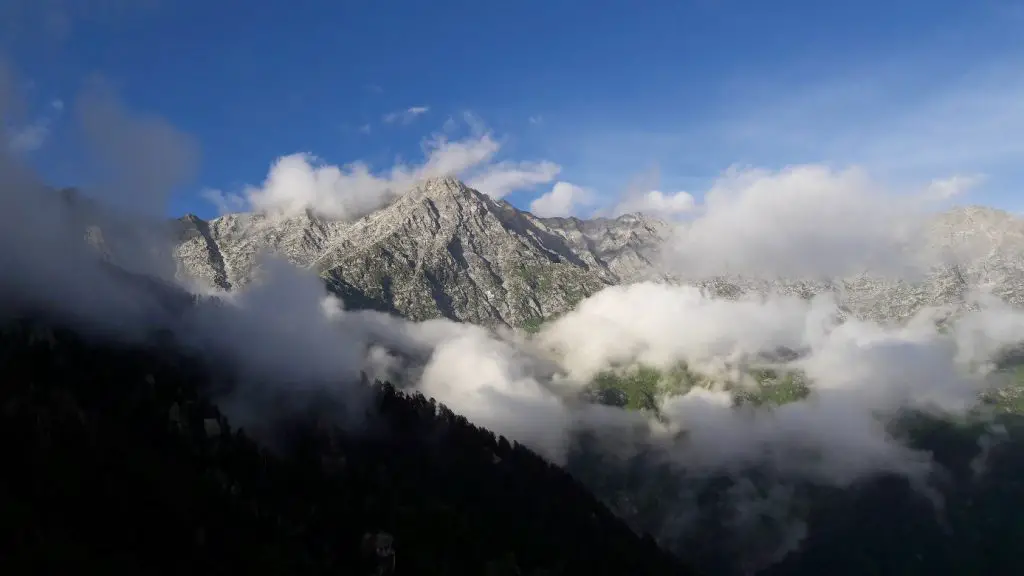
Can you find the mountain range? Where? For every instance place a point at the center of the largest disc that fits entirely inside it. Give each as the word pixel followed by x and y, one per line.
pixel 446 250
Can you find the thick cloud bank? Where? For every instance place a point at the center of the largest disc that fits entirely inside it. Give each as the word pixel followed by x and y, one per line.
pixel 802 222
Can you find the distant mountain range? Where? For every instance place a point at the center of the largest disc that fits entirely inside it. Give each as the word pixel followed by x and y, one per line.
pixel 446 250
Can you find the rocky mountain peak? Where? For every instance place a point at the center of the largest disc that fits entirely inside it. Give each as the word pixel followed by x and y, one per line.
pixel 442 249
pixel 446 188
pixel 444 197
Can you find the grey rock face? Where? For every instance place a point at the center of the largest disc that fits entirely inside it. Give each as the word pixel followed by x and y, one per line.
pixel 445 250
pixel 626 246
pixel 224 250
pixel 442 250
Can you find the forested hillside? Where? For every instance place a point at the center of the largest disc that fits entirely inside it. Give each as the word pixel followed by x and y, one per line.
pixel 960 517
pixel 116 461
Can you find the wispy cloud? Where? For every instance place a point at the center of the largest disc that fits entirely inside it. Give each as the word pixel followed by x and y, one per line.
pixel 406 116
pixel 131 152
pixel 51 23
pixel 957 185
pixel 898 121
pixel 225 203
pixel 907 120
pixel 503 178
pixel 30 137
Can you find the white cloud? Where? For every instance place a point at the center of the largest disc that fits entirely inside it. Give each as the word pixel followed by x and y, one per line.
pixel 446 157
pixel 298 182
pixel 657 203
pixel 500 179
pixel 660 325
pixel 806 221
pixel 860 373
pixel 490 381
pixel 563 200
pixel 406 116
pixel 954 186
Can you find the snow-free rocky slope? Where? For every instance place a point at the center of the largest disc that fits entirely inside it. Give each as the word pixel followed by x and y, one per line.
pixel 446 250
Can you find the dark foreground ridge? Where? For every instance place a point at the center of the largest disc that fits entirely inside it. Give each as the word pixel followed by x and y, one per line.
pixel 116 462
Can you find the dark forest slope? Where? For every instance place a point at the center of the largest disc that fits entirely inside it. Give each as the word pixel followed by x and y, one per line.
pixel 965 516
pixel 115 463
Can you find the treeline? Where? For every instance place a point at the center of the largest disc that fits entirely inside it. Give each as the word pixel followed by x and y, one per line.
pixel 116 461
pixel 968 519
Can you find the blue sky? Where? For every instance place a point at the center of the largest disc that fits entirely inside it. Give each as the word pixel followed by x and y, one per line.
pixel 667 94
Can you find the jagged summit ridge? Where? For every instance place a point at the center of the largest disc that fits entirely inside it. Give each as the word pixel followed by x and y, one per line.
pixel 447 250
pixel 446 187
pixel 441 250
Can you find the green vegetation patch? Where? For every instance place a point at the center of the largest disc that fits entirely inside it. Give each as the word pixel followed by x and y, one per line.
pixel 774 388
pixel 640 387
pixel 1009 398
pixel 532 325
